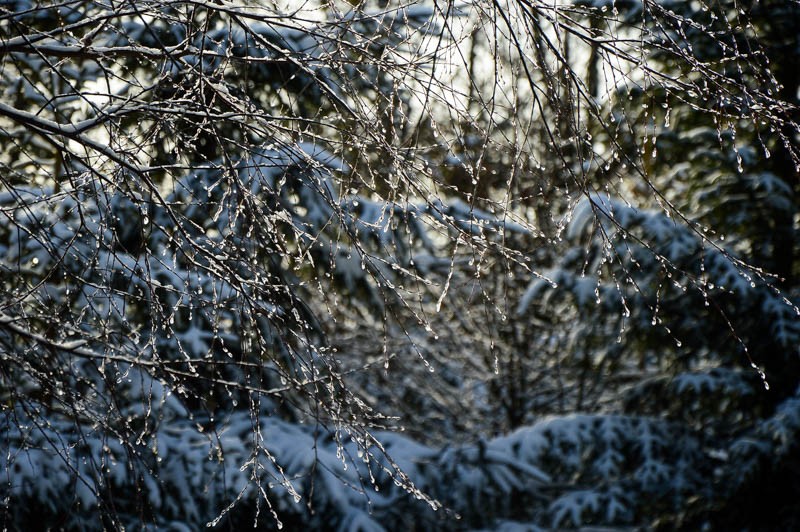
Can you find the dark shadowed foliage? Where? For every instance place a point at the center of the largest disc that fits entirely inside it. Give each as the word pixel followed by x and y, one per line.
pixel 371 266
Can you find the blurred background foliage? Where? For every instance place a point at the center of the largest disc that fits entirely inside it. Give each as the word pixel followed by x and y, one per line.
pixel 388 267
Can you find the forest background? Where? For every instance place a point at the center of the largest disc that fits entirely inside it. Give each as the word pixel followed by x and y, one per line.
pixel 368 266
